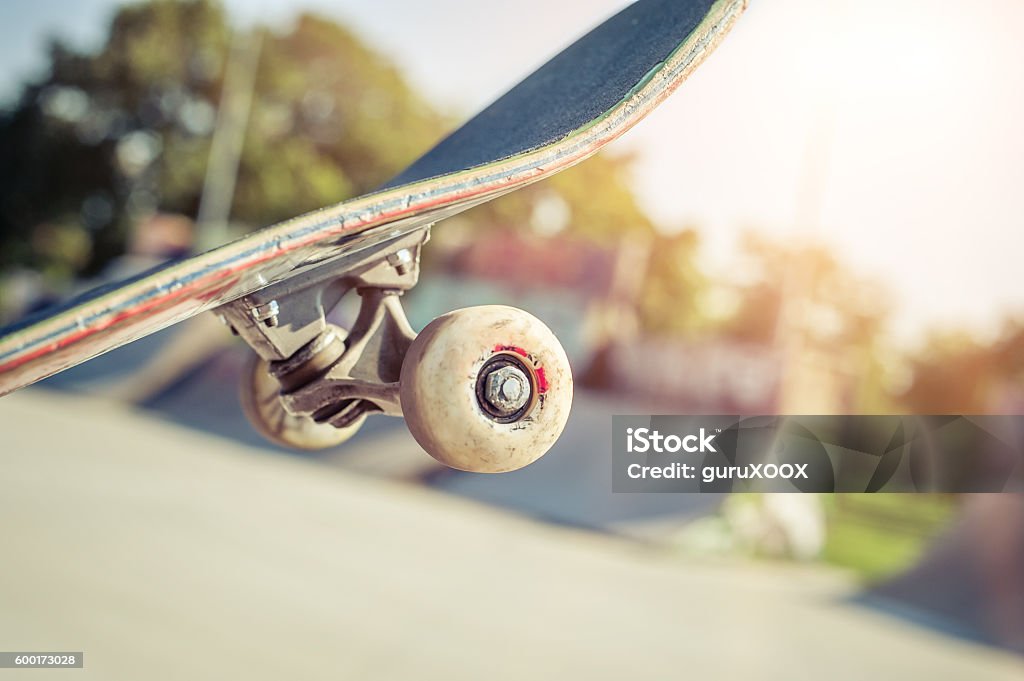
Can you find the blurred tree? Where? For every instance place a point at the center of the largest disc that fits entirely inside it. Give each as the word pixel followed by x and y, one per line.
pixel 111 137
pixel 804 301
pixel 1009 349
pixel 956 373
pixel 828 301
pixel 952 374
pixel 668 303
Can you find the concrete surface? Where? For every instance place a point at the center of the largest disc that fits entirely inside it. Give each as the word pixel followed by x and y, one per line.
pixel 164 553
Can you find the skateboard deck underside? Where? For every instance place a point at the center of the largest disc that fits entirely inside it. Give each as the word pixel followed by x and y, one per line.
pixel 582 99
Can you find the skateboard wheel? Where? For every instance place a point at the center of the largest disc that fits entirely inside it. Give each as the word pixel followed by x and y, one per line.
pixel 486 389
pixel 263 408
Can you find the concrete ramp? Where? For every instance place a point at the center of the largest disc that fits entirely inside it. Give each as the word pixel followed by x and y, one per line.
pixel 163 553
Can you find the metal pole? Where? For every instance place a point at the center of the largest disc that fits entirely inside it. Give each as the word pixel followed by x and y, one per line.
pixel 228 140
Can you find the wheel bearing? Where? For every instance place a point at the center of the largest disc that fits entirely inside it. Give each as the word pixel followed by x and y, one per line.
pixel 505 388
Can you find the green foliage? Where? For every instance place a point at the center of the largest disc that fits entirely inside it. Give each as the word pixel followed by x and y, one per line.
pixel 668 300
pixel 110 137
pixel 333 120
pixel 878 535
pixel 603 207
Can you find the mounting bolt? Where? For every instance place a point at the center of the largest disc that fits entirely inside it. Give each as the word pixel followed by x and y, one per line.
pixel 266 313
pixel 507 389
pixel 401 260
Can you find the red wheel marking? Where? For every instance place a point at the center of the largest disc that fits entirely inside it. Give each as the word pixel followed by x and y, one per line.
pixel 512 348
pixel 542 380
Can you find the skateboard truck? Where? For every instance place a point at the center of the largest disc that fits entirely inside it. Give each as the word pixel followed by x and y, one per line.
pixel 335 378
pixel 472 394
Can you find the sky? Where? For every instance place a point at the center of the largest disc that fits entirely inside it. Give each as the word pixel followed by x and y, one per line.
pixel 887 129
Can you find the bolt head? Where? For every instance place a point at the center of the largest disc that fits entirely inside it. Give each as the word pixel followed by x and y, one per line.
pixel 266 313
pixel 507 389
pixel 401 261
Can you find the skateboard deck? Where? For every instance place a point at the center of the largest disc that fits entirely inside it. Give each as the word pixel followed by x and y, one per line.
pixel 579 101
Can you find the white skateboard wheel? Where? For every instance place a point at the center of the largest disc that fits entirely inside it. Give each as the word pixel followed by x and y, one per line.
pixel 260 402
pixel 486 389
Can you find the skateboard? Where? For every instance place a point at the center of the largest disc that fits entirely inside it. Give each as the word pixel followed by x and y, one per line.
pixel 482 389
